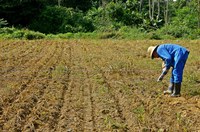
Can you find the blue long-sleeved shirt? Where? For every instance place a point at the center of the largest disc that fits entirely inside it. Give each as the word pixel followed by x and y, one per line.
pixel 168 53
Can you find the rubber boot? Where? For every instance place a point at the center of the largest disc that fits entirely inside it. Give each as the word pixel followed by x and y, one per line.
pixel 170 89
pixel 177 90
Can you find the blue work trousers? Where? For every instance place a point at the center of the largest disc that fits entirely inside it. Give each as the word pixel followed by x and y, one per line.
pixel 179 64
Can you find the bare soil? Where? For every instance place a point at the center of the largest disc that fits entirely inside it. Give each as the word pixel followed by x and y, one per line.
pixel 92 85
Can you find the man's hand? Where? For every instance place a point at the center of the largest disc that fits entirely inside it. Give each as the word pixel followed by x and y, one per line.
pixel 160 78
pixel 164 72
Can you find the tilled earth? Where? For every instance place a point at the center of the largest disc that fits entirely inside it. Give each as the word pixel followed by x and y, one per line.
pixel 88 85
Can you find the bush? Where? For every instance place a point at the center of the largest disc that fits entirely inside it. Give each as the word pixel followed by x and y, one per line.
pixel 186 17
pixel 110 35
pixel 132 33
pixel 176 31
pixel 123 13
pixel 194 34
pixel 20 34
pixel 98 18
pixel 154 35
pixel 30 35
pixel 61 20
pixel 183 25
pixel 114 15
pixel 7 30
pixel 51 36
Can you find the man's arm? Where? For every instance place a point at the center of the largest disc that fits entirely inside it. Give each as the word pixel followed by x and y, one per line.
pixel 166 57
pixel 164 72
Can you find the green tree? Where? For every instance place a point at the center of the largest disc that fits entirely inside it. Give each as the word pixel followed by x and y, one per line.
pixel 20 12
pixel 61 20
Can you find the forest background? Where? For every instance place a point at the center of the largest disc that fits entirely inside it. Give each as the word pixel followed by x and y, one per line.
pixel 121 19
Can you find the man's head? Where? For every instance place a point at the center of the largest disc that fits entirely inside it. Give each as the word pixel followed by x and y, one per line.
pixel 152 52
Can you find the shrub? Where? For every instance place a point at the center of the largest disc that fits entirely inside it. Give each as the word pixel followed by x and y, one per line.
pixel 110 35
pixel 132 33
pixel 186 17
pixel 113 16
pixel 98 18
pixel 183 25
pixel 154 35
pixel 20 34
pixel 7 30
pixel 30 35
pixel 51 36
pixel 61 20
pixel 176 31
pixel 122 12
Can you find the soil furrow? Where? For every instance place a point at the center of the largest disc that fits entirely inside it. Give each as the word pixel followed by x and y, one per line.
pixel 60 86
pixel 89 110
pixel 122 120
pixel 24 110
pixel 65 108
pixel 66 113
pixel 89 92
pixel 27 77
pixel 131 112
pixel 71 118
pixel 116 101
pixel 30 80
pixel 21 64
pixel 19 59
pixel 11 46
pixel 51 80
pixel 64 82
pixel 97 85
pixel 17 53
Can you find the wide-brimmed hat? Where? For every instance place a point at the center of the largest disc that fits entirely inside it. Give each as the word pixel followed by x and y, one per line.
pixel 150 51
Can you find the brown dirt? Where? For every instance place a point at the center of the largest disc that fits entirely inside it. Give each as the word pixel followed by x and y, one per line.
pixel 88 85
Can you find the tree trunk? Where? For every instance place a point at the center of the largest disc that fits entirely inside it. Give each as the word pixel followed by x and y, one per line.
pixel 59 1
pixel 150 7
pixel 141 2
pixel 158 10
pixel 103 3
pixel 153 5
pixel 166 12
pixel 198 14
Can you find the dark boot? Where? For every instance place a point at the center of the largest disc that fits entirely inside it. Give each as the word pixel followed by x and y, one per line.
pixel 177 90
pixel 170 89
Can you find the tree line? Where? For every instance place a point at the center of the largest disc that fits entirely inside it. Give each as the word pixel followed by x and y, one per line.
pixel 174 17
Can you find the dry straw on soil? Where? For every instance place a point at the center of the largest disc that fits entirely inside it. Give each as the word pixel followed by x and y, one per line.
pixel 93 85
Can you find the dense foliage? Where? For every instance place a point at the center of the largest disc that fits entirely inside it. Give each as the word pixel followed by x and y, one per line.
pixel 160 18
pixel 61 20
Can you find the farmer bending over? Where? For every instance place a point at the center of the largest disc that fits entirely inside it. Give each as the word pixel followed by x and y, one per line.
pixel 174 56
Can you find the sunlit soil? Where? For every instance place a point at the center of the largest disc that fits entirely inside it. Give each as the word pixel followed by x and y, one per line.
pixel 93 85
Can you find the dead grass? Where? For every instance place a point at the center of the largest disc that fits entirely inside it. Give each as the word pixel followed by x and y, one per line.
pixel 93 85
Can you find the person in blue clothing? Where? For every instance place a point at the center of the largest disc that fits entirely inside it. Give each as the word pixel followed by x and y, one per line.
pixel 174 56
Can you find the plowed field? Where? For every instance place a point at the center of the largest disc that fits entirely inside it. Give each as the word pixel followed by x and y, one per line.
pixel 93 85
